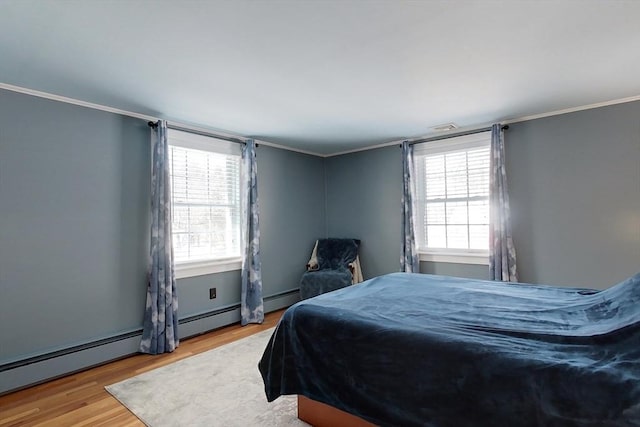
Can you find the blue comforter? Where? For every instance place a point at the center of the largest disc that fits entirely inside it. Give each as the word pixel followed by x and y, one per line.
pixel 423 350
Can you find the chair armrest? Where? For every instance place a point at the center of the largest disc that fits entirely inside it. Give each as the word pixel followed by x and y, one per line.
pixel 312 265
pixel 356 271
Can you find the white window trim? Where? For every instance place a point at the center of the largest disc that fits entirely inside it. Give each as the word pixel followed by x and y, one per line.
pixel 200 268
pixel 195 141
pixel 463 256
pixel 451 145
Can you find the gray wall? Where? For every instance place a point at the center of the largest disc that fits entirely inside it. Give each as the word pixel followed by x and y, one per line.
pixel 74 207
pixel 364 190
pixel 73 222
pixel 472 271
pixel 574 183
pixel 292 215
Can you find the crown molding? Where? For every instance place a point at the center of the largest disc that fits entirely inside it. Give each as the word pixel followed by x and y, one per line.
pixel 484 125
pixel 145 117
pixel 195 128
pixel 571 110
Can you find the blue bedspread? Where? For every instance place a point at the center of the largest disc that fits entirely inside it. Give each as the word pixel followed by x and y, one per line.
pixel 423 350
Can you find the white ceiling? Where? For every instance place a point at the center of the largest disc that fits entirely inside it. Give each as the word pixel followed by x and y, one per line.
pixel 325 76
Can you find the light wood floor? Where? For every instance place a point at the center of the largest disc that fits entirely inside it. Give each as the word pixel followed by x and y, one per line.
pixel 81 400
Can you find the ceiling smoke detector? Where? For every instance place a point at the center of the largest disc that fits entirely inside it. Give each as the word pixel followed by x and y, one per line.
pixel 444 128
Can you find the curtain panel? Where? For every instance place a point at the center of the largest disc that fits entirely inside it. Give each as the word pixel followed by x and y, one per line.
pixel 252 305
pixel 160 328
pixel 502 252
pixel 409 261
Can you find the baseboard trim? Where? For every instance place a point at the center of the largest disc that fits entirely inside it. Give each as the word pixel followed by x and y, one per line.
pixel 37 369
pixel 60 363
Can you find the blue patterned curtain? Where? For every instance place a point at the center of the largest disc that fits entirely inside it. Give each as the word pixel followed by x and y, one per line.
pixel 409 261
pixel 252 306
pixel 502 253
pixel 160 331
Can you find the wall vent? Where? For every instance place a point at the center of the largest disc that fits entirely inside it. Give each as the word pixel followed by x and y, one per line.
pixel 445 127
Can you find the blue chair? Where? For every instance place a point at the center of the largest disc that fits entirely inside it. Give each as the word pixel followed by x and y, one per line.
pixel 334 264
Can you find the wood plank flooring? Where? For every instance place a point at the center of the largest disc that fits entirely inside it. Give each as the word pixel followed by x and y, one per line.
pixel 81 400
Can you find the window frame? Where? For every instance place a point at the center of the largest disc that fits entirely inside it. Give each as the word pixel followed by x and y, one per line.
pixel 184 139
pixel 441 146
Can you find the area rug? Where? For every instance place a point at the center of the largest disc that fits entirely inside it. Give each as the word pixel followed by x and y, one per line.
pixel 220 387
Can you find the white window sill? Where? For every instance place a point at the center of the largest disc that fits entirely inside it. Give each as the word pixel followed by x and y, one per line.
pixel 457 257
pixel 200 268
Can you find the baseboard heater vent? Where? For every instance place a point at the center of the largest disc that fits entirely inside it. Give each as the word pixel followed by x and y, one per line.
pixel 69 350
pixel 202 323
pixel 44 367
pixel 208 314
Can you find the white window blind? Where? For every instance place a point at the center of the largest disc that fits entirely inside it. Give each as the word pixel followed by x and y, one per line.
pixel 205 194
pixel 452 185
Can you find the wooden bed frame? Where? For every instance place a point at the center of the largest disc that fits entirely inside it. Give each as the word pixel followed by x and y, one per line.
pixel 321 415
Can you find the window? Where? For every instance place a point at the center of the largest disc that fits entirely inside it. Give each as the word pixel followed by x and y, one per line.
pixel 205 196
pixel 452 200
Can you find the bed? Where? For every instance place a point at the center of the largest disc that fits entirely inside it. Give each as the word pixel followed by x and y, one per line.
pixel 425 350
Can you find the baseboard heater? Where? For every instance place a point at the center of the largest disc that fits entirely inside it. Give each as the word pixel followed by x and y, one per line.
pixel 47 366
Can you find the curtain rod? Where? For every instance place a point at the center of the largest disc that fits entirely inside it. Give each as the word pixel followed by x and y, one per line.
pixel 453 135
pixel 209 134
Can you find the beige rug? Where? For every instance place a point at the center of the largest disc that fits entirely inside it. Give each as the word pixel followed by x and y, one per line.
pixel 221 387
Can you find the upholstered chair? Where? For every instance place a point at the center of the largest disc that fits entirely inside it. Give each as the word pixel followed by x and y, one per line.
pixel 334 264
